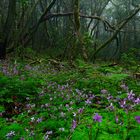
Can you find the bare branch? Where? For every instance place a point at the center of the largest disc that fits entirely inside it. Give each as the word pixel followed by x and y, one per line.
pixel 116 32
pixel 52 15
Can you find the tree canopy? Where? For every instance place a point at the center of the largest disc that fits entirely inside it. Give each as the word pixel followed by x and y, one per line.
pixel 77 28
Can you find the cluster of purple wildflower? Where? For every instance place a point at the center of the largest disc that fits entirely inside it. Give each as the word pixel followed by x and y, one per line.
pixel 137 119
pixel 97 118
pixel 9 69
pixel 74 124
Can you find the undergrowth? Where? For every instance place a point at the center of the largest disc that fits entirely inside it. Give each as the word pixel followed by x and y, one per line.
pixel 86 102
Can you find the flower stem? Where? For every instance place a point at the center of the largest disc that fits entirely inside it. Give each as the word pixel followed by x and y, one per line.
pixel 96 135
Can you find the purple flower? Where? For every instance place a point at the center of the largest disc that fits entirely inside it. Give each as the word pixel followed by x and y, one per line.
pixel 109 97
pixel 67 105
pixel 97 118
pixel 130 95
pixel 124 87
pixel 111 107
pixel 41 94
pixel 122 103
pixel 117 119
pixel 137 119
pixel 91 97
pixel 88 101
pixel 74 124
pixel 104 91
pixel 39 120
pixel 28 106
pixel 1 114
pixel 137 101
pixel 63 87
pixel 80 110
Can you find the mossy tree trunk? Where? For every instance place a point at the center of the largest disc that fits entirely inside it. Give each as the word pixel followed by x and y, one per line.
pixel 78 46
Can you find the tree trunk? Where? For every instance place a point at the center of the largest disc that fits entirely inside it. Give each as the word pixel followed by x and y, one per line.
pixel 2 50
pixel 80 46
pixel 7 28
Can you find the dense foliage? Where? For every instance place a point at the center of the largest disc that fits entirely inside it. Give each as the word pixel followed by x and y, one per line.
pixel 85 102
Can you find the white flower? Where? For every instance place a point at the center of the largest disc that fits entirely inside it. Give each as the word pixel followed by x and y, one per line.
pixel 46 137
pixel 74 114
pixel 62 114
pixel 49 132
pixel 32 119
pixel 10 134
pixel 62 129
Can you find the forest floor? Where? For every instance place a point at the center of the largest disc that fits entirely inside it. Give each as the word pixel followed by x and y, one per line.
pixel 57 101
